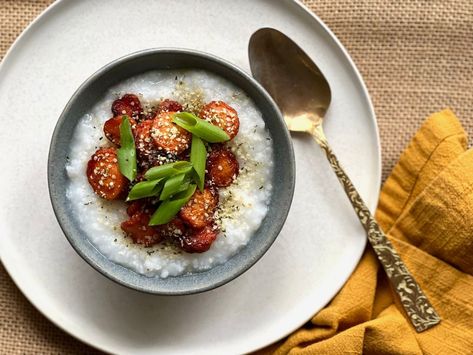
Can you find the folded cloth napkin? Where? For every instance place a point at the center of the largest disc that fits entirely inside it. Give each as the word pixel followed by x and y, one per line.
pixel 426 208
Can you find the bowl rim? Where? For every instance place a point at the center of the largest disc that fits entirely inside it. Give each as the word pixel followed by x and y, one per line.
pixel 57 207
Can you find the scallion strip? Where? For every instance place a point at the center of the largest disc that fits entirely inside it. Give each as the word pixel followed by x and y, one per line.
pixel 145 189
pixel 201 128
pixel 127 153
pixel 171 186
pixel 183 187
pixel 198 158
pixel 178 167
pixel 169 208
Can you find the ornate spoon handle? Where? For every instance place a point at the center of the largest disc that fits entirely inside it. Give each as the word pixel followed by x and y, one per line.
pixel 418 308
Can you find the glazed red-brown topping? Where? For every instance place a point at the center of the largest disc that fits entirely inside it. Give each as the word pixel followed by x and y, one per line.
pixel 104 174
pixel 158 140
pixel 144 143
pixel 222 115
pixel 168 136
pixel 128 104
pixel 135 207
pixel 111 128
pixel 174 229
pixel 222 167
pixel 169 106
pixel 137 229
pixel 199 211
pixel 199 240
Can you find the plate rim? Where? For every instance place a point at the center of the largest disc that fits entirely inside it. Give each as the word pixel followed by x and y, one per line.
pixel 42 308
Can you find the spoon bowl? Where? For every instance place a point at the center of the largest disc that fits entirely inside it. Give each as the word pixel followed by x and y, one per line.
pixel 299 88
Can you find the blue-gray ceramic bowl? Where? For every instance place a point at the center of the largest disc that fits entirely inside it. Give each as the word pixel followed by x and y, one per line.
pixel 92 91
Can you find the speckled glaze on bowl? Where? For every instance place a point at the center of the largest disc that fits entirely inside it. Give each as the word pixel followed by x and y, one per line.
pixel 283 178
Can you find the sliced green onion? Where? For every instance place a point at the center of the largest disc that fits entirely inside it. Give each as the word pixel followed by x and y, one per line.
pixel 183 187
pixel 201 128
pixel 171 186
pixel 178 167
pixel 198 158
pixel 169 208
pixel 127 152
pixel 145 189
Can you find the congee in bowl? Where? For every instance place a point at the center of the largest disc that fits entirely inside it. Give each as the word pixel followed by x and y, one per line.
pixel 218 217
pixel 171 171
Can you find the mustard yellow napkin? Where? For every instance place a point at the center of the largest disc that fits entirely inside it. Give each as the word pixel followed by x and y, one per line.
pixel 426 208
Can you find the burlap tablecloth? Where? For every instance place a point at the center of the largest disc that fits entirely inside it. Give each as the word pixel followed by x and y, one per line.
pixel 415 56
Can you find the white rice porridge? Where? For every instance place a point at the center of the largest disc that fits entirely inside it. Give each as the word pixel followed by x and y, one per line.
pixel 242 205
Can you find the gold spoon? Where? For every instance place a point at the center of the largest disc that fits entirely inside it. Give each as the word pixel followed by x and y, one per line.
pixel 303 95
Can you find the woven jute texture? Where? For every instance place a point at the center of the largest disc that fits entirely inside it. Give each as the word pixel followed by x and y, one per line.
pixel 415 56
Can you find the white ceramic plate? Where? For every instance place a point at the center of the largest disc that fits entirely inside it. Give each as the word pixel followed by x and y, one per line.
pixel 320 244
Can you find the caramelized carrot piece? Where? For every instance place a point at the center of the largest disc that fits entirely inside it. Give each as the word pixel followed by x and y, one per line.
pixel 169 106
pixel 137 229
pixel 128 104
pixel 104 174
pixel 168 136
pixel 173 229
pixel 222 167
pixel 199 240
pixel 111 128
pixel 199 211
pixel 222 115
pixel 143 141
pixel 135 207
